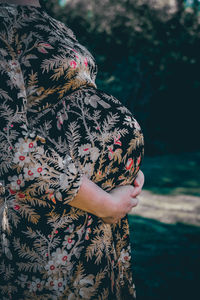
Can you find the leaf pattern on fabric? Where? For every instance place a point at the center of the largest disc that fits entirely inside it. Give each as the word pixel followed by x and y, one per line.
pixel 56 126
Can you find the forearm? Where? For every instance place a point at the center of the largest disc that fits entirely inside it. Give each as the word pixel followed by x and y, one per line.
pixel 93 199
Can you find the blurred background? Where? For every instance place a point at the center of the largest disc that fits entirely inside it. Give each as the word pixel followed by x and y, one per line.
pixel 148 56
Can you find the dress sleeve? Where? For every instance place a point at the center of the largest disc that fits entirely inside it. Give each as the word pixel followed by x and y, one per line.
pixel 56 166
pixel 35 162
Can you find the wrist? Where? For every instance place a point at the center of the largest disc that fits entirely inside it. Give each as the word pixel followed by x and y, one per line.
pixel 109 206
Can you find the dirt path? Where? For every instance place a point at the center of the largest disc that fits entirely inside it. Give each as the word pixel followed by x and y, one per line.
pixel 169 209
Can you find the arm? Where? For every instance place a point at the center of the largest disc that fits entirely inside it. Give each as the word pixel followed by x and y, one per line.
pixel 109 206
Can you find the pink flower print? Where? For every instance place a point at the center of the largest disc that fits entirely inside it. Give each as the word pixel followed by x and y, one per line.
pixel 60 257
pixel 73 64
pixel 16 182
pixel 129 164
pixel 124 257
pixel 29 145
pixel 51 267
pixel 70 228
pixel 38 170
pixel 86 62
pixel 21 158
pixel 28 174
pixel 21 195
pixel 50 283
pixel 16 207
pixel 76 55
pixel 36 285
pixel 84 150
pixel 117 140
pixel 12 192
pixel 69 242
pixel 59 285
pixel 42 46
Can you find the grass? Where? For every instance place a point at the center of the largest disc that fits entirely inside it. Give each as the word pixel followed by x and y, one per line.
pixel 165 230
pixel 173 174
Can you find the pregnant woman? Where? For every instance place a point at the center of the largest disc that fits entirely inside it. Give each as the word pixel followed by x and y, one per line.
pixel 69 156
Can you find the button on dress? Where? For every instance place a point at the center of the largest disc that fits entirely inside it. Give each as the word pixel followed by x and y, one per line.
pixel 55 126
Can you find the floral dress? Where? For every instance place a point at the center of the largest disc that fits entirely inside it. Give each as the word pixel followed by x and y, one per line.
pixel 56 126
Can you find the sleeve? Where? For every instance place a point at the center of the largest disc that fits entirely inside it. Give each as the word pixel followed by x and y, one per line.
pixel 56 168
pixel 35 163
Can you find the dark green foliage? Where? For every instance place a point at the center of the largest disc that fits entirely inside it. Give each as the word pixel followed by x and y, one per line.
pixel 148 57
pixel 173 174
pixel 166 259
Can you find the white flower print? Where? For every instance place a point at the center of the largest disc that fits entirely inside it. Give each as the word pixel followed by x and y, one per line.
pixel 69 242
pixel 41 221
pixel 36 285
pixel 21 158
pixel 28 174
pixel 51 267
pixel 60 257
pixel 39 170
pixel 84 150
pixel 16 182
pixel 28 146
pixel 50 282
pixel 124 257
pixel 59 285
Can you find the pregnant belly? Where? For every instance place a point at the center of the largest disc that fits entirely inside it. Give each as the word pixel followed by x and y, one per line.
pixel 104 138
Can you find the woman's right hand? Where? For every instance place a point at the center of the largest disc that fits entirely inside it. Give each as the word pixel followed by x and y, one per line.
pixel 110 207
pixel 123 199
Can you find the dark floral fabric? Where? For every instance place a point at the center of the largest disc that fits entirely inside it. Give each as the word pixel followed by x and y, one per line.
pixel 56 126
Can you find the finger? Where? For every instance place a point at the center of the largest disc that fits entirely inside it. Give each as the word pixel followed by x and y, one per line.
pixel 136 192
pixel 134 202
pixel 139 181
